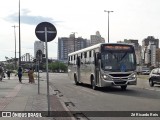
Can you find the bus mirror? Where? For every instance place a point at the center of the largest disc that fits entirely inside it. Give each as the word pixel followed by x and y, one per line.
pixel 99 56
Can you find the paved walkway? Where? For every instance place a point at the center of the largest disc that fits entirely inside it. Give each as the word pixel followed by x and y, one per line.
pixel 23 98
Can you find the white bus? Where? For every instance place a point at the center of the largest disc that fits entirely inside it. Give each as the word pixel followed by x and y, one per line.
pixel 104 64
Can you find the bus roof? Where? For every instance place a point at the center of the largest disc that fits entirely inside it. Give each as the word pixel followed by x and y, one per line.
pixel 85 49
pixel 96 46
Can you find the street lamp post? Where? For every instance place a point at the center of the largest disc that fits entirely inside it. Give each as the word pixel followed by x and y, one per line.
pixel 15 43
pixel 108 22
pixel 19 37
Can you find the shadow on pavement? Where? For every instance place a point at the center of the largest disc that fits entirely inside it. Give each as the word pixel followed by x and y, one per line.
pixel 130 91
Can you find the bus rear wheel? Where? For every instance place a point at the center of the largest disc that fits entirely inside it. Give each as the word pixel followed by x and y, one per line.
pixel 124 87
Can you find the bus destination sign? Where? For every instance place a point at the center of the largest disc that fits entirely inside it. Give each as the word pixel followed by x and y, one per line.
pixel 116 47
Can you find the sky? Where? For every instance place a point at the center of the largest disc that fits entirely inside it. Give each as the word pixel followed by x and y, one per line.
pixel 131 19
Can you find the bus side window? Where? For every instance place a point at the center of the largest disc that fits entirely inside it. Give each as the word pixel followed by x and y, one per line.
pixel 71 60
pixel 82 58
pixel 81 55
pixel 85 57
pixel 89 57
pixel 78 61
pixel 74 59
pixel 92 57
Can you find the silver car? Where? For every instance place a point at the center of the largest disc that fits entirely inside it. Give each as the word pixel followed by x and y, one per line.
pixel 154 77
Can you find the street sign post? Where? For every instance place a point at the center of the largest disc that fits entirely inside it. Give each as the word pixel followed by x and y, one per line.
pixel 39 58
pixel 46 32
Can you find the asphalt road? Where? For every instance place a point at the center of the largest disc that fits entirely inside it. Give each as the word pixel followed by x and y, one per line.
pixel 141 97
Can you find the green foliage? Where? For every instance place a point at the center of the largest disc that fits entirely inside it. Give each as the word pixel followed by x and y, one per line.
pixel 57 67
pixel 9 66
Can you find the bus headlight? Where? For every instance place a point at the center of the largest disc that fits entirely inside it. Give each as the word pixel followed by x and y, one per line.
pixel 105 77
pixel 132 77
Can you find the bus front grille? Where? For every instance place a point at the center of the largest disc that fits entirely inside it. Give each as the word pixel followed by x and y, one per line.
pixel 120 82
pixel 119 75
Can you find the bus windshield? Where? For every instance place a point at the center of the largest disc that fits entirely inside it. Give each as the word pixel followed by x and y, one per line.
pixel 118 61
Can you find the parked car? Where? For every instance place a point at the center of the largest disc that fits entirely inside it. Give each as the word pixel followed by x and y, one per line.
pixel 145 72
pixel 154 77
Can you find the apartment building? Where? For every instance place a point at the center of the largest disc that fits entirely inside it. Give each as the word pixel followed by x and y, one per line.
pixel 95 39
pixel 70 44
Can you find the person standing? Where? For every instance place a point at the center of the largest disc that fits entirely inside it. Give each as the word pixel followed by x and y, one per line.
pixel 1 73
pixel 8 74
pixel 20 74
pixel 31 76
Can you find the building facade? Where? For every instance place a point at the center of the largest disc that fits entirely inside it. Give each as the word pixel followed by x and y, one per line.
pixel 149 39
pixel 63 48
pixel 95 39
pixel 70 44
pixel 149 48
pixel 150 55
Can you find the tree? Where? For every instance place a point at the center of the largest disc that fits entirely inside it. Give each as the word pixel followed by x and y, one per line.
pixel 57 66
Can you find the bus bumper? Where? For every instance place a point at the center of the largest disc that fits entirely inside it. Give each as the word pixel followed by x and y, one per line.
pixel 118 82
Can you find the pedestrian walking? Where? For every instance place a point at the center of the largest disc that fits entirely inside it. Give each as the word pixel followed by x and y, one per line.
pixel 1 73
pixel 20 74
pixel 8 74
pixel 31 76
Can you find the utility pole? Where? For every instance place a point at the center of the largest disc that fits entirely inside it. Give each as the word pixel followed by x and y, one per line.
pixel 19 36
pixel 15 43
pixel 108 22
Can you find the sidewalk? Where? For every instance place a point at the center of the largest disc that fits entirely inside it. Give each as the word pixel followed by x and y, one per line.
pixel 21 97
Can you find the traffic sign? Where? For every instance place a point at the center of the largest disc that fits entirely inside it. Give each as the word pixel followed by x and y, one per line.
pixel 46 32
pixel 39 55
pixel 45 28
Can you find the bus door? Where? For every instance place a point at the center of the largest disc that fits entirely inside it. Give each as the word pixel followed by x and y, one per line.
pixel 97 65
